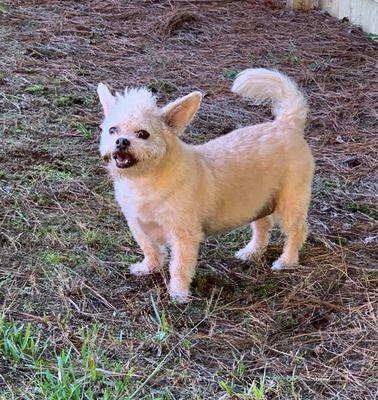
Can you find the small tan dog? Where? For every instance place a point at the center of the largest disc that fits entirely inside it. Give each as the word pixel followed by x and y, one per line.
pixel 175 194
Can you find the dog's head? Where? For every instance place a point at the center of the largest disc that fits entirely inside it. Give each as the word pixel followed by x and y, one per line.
pixel 136 133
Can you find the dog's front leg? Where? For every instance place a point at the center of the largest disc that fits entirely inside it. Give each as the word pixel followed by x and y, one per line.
pixel 184 254
pixel 153 254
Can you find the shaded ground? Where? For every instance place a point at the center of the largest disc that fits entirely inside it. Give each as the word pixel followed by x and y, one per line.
pixel 305 333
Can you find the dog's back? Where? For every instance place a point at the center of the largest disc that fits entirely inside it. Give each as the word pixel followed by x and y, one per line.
pixel 251 166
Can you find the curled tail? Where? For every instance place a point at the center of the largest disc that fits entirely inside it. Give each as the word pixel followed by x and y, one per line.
pixel 265 85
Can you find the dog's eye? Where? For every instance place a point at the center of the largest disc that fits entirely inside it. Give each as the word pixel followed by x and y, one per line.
pixel 142 134
pixel 113 130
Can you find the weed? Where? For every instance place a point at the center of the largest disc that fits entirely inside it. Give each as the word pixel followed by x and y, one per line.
pixel 3 9
pixel 187 344
pixel 127 258
pixel 293 58
pixel 91 237
pixel 246 391
pixel 159 395
pixel 17 342
pixel 328 184
pixel 226 387
pixel 69 377
pixel 41 199
pixel 272 58
pixel 264 290
pixel 372 36
pixel 68 100
pixel 50 232
pixel 164 329
pixel 286 322
pixel 36 89
pixel 258 389
pixel 49 173
pixel 253 392
pixel 239 366
pixel 52 257
pixel 364 208
pixel 70 380
pixel 85 130
pixel 204 282
pixel 321 64
pixel 231 73
pixel 161 86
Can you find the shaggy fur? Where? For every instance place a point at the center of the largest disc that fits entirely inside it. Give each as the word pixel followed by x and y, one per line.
pixel 176 194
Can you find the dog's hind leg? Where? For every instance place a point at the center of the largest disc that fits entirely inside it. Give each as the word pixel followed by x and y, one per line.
pixel 291 215
pixel 260 239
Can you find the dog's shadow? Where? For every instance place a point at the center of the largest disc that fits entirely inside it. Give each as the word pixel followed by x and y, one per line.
pixel 235 280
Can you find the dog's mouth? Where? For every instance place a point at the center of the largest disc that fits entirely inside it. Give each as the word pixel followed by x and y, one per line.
pixel 124 159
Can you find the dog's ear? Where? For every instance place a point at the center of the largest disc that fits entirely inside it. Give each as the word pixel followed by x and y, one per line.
pixel 178 114
pixel 106 98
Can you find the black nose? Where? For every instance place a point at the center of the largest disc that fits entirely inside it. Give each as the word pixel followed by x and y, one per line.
pixel 122 143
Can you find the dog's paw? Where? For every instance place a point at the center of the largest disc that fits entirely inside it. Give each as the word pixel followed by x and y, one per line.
pixel 141 268
pixel 248 254
pixel 179 296
pixel 278 265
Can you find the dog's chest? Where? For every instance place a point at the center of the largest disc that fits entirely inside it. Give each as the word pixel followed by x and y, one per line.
pixel 143 209
pixel 149 218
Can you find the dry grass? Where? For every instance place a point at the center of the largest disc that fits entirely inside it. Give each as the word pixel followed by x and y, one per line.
pixel 305 333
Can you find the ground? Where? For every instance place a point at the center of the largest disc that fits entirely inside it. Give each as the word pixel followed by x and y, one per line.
pixel 74 323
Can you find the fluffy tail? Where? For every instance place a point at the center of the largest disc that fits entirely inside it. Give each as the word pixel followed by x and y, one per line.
pixel 266 85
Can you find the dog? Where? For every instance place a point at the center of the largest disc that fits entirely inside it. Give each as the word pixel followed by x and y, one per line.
pixel 175 194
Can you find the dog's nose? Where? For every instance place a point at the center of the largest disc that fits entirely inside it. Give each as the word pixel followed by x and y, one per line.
pixel 122 143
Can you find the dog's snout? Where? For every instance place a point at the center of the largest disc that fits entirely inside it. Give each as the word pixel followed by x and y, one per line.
pixel 122 143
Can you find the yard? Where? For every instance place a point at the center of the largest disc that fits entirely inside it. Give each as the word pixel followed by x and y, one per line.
pixel 74 324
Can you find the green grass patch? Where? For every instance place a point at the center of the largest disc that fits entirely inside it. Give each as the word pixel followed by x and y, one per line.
pixel 364 208
pixel 205 282
pixel 286 322
pixel 49 173
pixel 231 73
pixel 330 184
pixel 70 375
pixel 17 343
pixel 36 89
pixel 68 100
pixel 164 328
pixel 254 391
pixel 264 290
pixel 372 36
pixel 320 64
pixel 128 258
pixel 41 199
pixel 53 257
pixel 3 8
pixel 161 86
pixel 273 58
pixel 84 129
pixel 91 237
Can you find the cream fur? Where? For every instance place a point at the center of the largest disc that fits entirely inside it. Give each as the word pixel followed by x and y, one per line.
pixel 177 194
